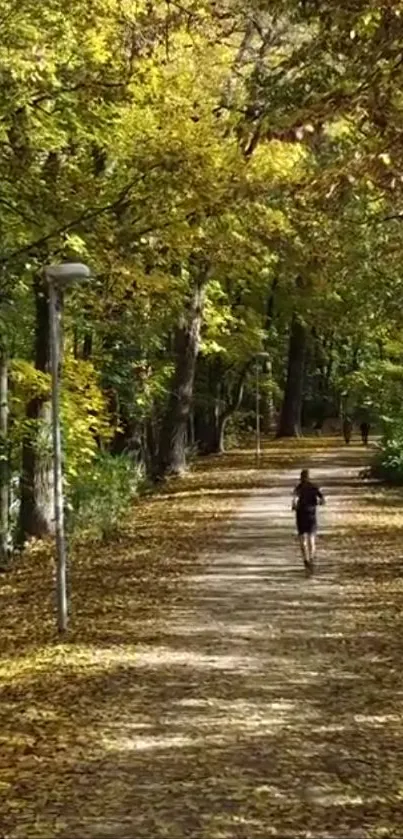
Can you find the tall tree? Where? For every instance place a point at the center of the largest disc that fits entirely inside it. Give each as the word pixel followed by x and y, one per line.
pixel 173 437
pixel 290 419
pixel 36 510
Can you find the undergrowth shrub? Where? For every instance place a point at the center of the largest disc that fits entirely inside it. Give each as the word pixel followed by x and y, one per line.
pixel 238 429
pixel 100 498
pixel 388 462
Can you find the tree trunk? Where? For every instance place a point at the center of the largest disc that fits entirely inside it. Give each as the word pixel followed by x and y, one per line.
pixel 76 344
pixel 191 429
pixel 267 403
pixel 211 437
pixel 4 459
pixel 37 506
pixel 151 445
pixel 213 420
pixel 87 346
pixel 267 409
pixel 205 429
pixel 290 419
pixel 173 436
pixel 225 416
pixel 222 424
pixel 209 376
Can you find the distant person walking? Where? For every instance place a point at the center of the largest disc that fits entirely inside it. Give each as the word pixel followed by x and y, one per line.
pixel 306 497
pixel 347 429
pixel 365 428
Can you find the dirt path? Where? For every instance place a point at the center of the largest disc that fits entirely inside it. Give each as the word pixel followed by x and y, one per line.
pixel 263 704
pixel 256 713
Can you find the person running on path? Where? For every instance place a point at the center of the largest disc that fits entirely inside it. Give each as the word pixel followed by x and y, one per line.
pixel 347 429
pixel 306 497
pixel 364 428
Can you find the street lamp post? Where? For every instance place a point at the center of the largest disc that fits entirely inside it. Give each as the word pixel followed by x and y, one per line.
pixel 261 356
pixel 59 277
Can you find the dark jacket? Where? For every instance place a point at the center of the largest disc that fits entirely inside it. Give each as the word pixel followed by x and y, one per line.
pixel 307 496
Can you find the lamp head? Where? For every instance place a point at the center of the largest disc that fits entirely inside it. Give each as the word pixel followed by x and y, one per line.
pixel 67 273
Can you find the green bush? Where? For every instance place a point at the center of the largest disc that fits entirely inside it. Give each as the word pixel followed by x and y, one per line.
pixel 388 462
pixel 100 498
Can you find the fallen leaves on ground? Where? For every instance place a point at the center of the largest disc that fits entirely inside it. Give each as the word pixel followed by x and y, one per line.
pixel 56 697
pixel 228 700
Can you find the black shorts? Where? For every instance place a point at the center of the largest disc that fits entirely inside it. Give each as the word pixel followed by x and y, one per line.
pixel 306 521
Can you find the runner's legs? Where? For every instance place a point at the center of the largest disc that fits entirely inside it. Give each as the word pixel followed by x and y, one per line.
pixel 304 547
pixel 312 546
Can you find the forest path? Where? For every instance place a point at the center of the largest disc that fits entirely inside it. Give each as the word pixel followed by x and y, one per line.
pixel 262 703
pixel 270 704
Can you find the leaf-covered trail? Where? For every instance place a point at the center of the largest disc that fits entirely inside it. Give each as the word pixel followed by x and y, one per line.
pixel 258 704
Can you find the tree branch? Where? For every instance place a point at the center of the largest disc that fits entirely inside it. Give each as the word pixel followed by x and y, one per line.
pixel 18 212
pixel 236 401
pixel 86 216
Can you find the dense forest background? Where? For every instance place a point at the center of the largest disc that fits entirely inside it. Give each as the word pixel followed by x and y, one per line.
pixel 232 174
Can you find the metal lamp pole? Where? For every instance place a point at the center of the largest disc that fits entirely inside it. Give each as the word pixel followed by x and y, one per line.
pixel 262 356
pixel 58 278
pixel 61 588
